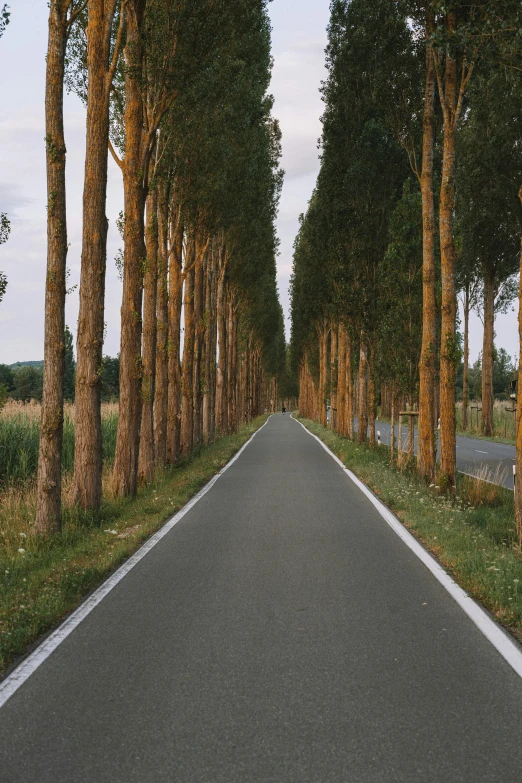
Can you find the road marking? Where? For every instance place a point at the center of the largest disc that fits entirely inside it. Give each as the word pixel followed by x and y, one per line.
pixel 507 648
pixel 22 673
pixel 488 481
pixel 480 452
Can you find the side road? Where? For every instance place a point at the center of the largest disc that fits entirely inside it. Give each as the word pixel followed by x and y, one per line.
pixel 474 455
pixel 281 631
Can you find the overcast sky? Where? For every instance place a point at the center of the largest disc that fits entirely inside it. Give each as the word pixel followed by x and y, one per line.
pixel 299 39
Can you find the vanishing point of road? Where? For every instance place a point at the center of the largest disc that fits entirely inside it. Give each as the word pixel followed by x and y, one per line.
pixel 281 631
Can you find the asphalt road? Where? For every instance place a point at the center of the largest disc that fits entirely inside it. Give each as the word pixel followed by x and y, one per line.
pixel 492 461
pixel 280 632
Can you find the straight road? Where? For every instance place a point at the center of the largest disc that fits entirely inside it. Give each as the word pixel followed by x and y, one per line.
pixel 490 460
pixel 281 632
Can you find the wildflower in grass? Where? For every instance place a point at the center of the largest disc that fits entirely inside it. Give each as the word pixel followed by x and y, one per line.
pixel 22 551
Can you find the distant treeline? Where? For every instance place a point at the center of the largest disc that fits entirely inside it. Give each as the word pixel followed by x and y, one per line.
pixel 25 382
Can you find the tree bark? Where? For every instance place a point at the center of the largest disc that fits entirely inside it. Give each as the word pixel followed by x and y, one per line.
pixel 362 412
pixel 187 365
pixel 448 349
pixel 150 287
pixel 161 373
pixel 349 408
pixel 199 294
pixel 174 366
pixel 341 382
pixel 88 451
pixel 334 369
pixel 488 347
pixel 465 372
pixel 427 451
pixel 221 408
pixel 371 392
pixel 323 363
pixel 392 427
pixel 231 387
pixel 125 472
pixel 49 492
pixel 208 356
pixel 518 455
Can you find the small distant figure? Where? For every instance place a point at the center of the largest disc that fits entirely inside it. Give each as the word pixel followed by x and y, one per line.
pixel 284 409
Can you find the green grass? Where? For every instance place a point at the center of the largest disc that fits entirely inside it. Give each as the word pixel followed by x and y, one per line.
pixel 42 579
pixel 504 423
pixel 476 543
pixel 19 441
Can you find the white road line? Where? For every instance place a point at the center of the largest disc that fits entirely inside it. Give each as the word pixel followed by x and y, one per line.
pixel 507 648
pixel 17 678
pixel 488 481
pixel 480 452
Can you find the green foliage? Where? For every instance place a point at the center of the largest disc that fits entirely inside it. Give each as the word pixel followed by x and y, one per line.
pixel 69 367
pixel 6 377
pixel 400 286
pixel 4 18
pixel 28 383
pixel 489 174
pixel 343 237
pixel 110 378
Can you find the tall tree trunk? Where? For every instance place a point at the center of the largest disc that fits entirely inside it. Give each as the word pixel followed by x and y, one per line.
pixel 488 348
pixel 221 407
pixel 187 365
pixel 449 94
pixel 334 369
pixel 49 498
pixel 125 472
pixel 150 288
pixel 349 407
pixel 162 378
pixel 323 363
pixel 87 483
pixel 174 367
pixel 392 427
pixel 371 391
pixel 213 314
pixel 199 294
pixel 231 388
pixel 518 455
pixel 208 358
pixel 427 451
pixel 341 382
pixel 465 372
pixel 362 412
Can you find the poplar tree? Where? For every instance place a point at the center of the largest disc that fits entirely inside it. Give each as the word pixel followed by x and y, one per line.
pixel 97 46
pixel 62 15
pixel 489 173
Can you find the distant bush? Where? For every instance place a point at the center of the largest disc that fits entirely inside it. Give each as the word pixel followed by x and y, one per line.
pixel 28 384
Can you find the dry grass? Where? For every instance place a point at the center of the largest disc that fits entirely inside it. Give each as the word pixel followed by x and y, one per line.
pixel 32 411
pixel 504 423
pixel 484 488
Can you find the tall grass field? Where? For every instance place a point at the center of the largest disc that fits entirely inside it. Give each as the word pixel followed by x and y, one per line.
pixel 20 436
pixel 504 420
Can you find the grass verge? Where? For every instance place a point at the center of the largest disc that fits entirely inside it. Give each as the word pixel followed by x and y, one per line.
pixel 474 537
pixel 43 579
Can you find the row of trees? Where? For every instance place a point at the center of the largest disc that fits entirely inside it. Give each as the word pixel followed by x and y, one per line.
pixel 416 200
pixel 176 91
